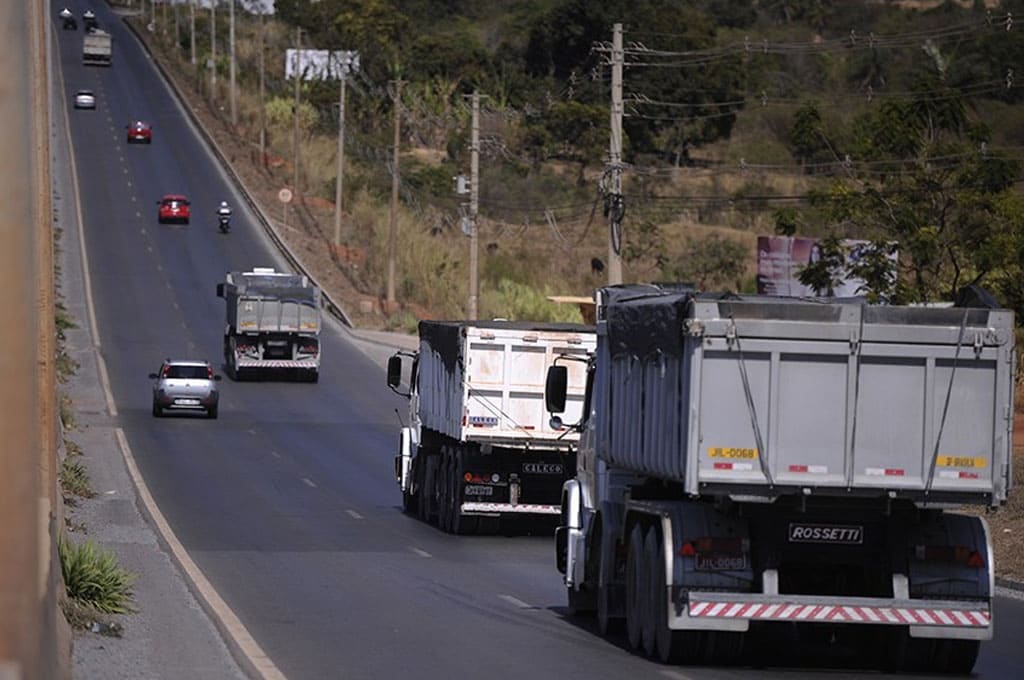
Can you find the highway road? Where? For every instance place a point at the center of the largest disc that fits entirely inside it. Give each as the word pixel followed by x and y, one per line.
pixel 287 502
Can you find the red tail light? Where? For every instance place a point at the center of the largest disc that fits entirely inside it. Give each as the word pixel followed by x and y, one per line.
pixel 209 372
pixel 722 545
pixel 948 553
pixel 687 550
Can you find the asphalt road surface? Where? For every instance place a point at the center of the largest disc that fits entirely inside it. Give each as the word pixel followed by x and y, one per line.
pixel 287 502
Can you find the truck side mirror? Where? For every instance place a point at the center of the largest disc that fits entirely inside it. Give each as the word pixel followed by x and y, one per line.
pixel 555 388
pixel 220 290
pixel 394 371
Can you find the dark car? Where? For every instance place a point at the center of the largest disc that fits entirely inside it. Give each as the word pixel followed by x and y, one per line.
pixel 173 208
pixel 139 132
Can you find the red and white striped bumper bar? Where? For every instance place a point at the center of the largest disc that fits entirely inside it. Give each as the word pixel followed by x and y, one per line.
pixel 275 363
pixel 852 610
pixel 519 508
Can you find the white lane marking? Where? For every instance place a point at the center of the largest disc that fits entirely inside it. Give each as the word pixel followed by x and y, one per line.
pixel 421 553
pixel 353 514
pixel 516 602
pixel 223 617
pixel 675 675
pixel 309 482
pixel 275 454
pixel 94 329
pixel 252 432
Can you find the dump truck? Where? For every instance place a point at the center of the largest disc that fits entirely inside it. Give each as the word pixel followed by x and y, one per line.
pixel 96 48
pixel 771 469
pixel 478 447
pixel 273 324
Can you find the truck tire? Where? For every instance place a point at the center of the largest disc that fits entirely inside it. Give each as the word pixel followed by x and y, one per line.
pixel 955 656
pixel 673 646
pixel 636 589
pixel 459 523
pixel 443 484
pixel 652 593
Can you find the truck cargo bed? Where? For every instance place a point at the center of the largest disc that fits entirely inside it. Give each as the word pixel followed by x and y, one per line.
pixel 755 398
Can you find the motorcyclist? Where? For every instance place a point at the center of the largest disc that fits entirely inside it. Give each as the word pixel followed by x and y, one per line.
pixel 224 215
pixel 65 13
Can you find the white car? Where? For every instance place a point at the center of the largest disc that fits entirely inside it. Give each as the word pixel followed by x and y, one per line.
pixel 85 99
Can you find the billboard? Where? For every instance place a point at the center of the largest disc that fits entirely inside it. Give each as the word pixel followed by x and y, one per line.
pixel 320 64
pixel 780 260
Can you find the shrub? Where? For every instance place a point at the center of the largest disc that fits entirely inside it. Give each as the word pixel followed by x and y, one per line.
pixel 74 479
pixel 94 579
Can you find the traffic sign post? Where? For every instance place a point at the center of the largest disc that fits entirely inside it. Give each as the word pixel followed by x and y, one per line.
pixel 285 196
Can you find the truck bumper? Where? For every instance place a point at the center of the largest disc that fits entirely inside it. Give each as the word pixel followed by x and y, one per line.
pixel 924 618
pixel 476 508
pixel 277 363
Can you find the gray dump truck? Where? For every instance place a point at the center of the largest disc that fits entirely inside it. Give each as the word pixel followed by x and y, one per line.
pixel 478 447
pixel 754 469
pixel 97 47
pixel 273 324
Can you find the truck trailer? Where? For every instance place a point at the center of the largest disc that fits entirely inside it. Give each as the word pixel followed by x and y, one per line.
pixel 478 446
pixel 273 324
pixel 97 47
pixel 754 467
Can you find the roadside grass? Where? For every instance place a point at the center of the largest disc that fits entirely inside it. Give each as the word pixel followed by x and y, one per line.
pixel 96 585
pixel 74 479
pixel 67 412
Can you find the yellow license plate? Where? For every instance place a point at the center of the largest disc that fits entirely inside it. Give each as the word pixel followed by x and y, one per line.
pixel 732 453
pixel 961 461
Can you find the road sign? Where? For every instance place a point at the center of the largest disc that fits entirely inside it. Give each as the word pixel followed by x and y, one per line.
pixel 285 195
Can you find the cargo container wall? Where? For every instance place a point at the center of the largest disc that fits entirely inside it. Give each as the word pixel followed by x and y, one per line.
pixel 755 398
pixel 486 382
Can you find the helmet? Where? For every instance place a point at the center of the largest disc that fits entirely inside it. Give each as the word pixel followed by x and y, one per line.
pixel 223 204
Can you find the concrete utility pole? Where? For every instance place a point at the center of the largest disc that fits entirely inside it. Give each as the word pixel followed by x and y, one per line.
pixel 263 105
pixel 474 207
pixel 192 27
pixel 213 50
pixel 177 28
pixel 295 113
pixel 614 198
pixel 341 157
pixel 393 225
pixel 231 49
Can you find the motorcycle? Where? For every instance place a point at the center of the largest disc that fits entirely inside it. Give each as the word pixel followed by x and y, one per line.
pixel 224 223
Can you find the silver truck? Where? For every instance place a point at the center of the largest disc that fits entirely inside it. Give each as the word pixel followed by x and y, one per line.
pixel 757 469
pixel 273 324
pixel 478 447
pixel 97 47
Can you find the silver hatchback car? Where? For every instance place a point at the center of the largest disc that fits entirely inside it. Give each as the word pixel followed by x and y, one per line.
pixel 184 385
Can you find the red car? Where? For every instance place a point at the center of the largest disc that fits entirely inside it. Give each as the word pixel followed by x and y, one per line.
pixel 140 132
pixel 173 208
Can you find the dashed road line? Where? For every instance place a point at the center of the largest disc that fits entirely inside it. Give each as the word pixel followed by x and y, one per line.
pixel 421 553
pixel 516 602
pixel 353 514
pixel 309 482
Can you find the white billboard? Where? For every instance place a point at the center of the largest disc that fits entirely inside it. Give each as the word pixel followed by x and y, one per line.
pixel 320 64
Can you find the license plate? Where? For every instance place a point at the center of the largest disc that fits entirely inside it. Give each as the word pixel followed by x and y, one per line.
pixel 479 490
pixel 720 562
pixel 187 402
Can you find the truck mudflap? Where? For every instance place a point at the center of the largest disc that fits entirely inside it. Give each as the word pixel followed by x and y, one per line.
pixel 478 508
pixel 243 362
pixel 925 618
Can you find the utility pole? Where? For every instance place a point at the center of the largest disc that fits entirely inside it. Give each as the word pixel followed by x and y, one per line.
pixel 613 199
pixel 177 28
pixel 263 106
pixel 231 49
pixel 474 206
pixel 341 157
pixel 192 27
pixel 213 50
pixel 295 114
pixel 393 225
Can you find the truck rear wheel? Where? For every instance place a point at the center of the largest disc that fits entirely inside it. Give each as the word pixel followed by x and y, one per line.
pixel 459 523
pixel 673 646
pixel 652 593
pixel 636 589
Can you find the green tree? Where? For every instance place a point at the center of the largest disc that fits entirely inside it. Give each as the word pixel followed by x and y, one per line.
pixel 712 262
